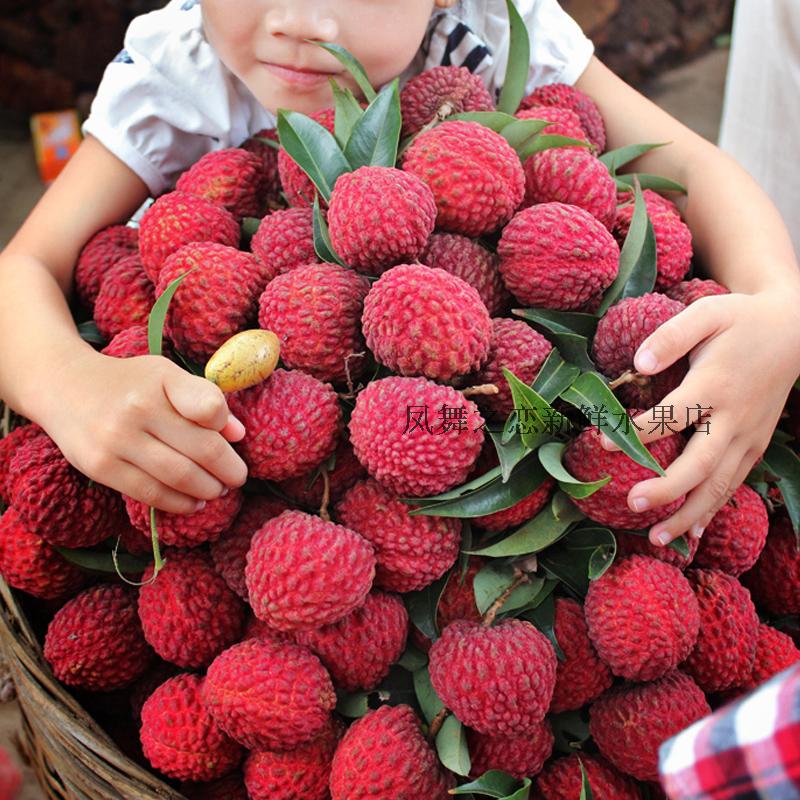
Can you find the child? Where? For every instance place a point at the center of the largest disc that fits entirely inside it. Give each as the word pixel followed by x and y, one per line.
pixel 196 77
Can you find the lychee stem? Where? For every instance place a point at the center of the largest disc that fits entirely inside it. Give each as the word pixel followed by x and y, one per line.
pixel 494 609
pixel 436 723
pixel 326 496
pixel 630 376
pixel 480 389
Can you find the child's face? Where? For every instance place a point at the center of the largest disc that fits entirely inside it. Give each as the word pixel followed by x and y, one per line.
pixel 262 43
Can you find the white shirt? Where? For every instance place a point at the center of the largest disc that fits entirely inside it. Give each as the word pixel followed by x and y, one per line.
pixel 167 99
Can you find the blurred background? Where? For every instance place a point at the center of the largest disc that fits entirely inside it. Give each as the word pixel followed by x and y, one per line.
pixel 53 53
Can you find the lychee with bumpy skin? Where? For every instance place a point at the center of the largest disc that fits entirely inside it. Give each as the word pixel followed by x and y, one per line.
pixel 469 260
pixel 297 186
pixel 515 346
pixel 269 696
pixel 775 652
pixel 620 332
pixel 474 173
pixel 440 92
pixel 416 437
pixel 457 600
pixel 133 342
pixel 562 779
pixel 384 754
pixel 725 649
pixel 95 641
pixel 642 617
pixel 423 321
pixel 520 756
pixel 498 680
pixel 687 292
pixel 188 530
pixel 179 736
pixel 177 219
pixel 229 552
pixel 270 194
pixel 520 512
pixel 557 256
pixel 629 723
pixel 8 446
pixel 673 243
pixel 308 490
pixel 57 502
pixel 188 613
pixel 573 176
pixel 28 563
pixel 285 240
pixel 216 300
pixel 629 544
pixel 292 422
pixel 411 551
pixel 98 255
pixel 303 572
pixel 566 96
pixel 736 534
pixel 359 649
pixel 315 311
pixel 231 178
pixel 125 298
pixel 378 217
pixel 780 556
pixel 292 774
pixel 587 460
pixel 581 676
pixel 563 121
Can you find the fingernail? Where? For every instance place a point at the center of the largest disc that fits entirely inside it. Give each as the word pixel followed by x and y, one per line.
pixel 662 537
pixel 696 530
pixel 640 504
pixel 201 504
pixel 224 491
pixel 646 361
pixel 236 425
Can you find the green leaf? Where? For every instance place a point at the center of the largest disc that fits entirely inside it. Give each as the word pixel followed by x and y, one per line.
pixel 526 478
pixel 550 455
pixel 647 181
pixel 314 148
pixel 495 120
pixel 451 745
pixel 554 377
pixel 322 238
pixel 428 700
pixel 496 784
pixel 511 451
pixel 158 313
pixel 493 579
pixel 422 605
pixel 519 58
pixel 351 64
pixel 785 464
pixel 534 536
pixel 645 269
pixel 560 321
pixel 522 132
pixel 89 333
pixel 525 596
pixel 544 618
pixel 348 112
pixel 537 418
pixel 614 159
pixel 548 141
pixel 571 730
pixel 631 255
pixel 352 706
pixel 580 556
pixel 376 136
pixel 102 561
pixel 589 391
pixel 412 659
pixel 573 346
pixel 586 789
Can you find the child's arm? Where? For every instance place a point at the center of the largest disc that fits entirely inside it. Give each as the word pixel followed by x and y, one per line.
pixel 744 348
pixel 141 425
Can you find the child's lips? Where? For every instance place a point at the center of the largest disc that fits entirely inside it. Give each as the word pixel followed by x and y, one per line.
pixel 298 76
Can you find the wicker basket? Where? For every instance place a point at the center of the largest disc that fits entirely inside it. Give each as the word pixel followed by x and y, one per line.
pixel 73 759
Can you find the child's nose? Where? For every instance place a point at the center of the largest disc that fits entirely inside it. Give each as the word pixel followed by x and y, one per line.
pixel 301 19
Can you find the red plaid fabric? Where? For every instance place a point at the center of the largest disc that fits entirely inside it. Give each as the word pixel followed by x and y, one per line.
pixel 747 750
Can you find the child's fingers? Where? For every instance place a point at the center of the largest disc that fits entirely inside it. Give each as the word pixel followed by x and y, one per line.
pixel 209 454
pixel 196 399
pixel 677 336
pixel 138 484
pixel 702 502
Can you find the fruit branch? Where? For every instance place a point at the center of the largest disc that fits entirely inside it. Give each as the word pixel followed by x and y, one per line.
pixel 494 609
pixel 436 723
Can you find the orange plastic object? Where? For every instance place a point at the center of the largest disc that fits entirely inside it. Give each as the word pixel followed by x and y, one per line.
pixel 56 136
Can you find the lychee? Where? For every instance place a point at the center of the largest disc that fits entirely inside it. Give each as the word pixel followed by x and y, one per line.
pixel 520 756
pixel 780 556
pixel 566 96
pixel 562 779
pixel 297 186
pixel 98 255
pixel 687 292
pixel 629 544
pixel 125 298
pixel 563 121
pixel 285 240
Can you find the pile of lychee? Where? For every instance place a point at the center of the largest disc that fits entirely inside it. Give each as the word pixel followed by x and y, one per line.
pixel 231 670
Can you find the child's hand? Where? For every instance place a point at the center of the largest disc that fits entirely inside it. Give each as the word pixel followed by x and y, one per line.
pixel 744 352
pixel 147 428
